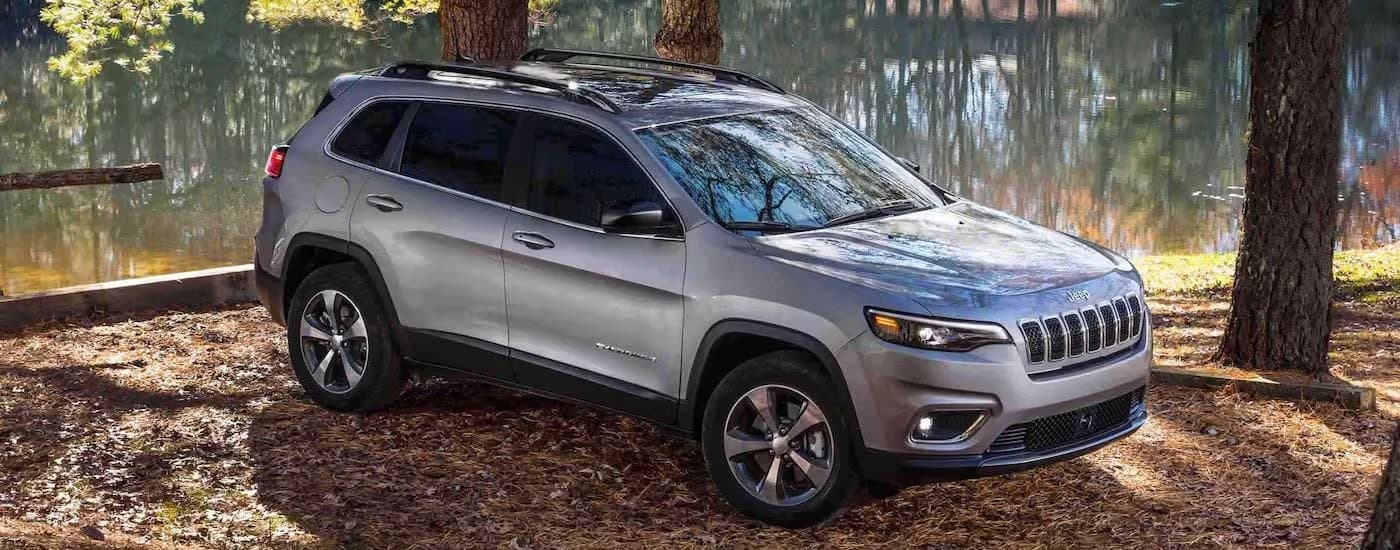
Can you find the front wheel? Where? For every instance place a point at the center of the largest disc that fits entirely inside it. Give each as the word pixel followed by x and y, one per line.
pixel 776 444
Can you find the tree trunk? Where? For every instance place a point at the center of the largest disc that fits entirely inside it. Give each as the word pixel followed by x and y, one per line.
pixel 83 176
pixel 690 31
pixel 1280 309
pixel 1384 533
pixel 483 30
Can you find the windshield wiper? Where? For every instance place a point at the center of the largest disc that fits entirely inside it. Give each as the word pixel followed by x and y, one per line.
pixel 898 206
pixel 765 227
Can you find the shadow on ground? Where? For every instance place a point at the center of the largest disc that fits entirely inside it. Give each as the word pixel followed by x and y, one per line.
pixel 187 428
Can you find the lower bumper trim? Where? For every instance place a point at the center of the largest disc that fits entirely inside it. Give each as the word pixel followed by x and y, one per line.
pixel 270 293
pixel 899 469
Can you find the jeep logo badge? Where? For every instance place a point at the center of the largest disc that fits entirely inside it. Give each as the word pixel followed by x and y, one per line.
pixel 1078 295
pixel 1086 423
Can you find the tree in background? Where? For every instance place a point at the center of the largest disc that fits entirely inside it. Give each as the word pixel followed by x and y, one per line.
pixel 1384 533
pixel 689 31
pixel 484 30
pixel 1280 308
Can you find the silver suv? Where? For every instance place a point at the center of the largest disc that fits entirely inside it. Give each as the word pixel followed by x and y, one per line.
pixel 693 246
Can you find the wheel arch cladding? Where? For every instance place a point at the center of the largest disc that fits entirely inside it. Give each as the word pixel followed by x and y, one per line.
pixel 731 342
pixel 310 251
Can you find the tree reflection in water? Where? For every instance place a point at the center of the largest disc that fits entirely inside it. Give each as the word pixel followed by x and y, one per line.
pixel 1121 121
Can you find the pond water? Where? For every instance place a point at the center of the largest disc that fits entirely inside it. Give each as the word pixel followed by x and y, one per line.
pixel 1122 121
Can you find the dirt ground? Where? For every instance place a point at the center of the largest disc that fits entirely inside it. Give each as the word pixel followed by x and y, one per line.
pixel 182 429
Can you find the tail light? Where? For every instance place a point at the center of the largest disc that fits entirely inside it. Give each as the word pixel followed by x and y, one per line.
pixel 275 160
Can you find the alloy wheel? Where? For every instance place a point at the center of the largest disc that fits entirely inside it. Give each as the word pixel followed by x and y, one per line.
pixel 778 445
pixel 334 342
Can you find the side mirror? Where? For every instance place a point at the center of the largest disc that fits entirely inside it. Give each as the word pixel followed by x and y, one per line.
pixel 908 163
pixel 638 217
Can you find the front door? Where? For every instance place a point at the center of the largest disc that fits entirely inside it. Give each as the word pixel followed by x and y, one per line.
pixel 592 315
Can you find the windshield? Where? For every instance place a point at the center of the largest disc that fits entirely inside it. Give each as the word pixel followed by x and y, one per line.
pixel 794 166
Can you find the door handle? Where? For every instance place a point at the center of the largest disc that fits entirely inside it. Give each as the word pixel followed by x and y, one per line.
pixel 384 203
pixel 534 241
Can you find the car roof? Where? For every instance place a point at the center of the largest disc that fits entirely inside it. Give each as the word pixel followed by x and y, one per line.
pixel 640 97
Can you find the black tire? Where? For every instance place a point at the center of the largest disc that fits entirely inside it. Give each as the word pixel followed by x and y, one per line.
pixel 790 370
pixel 383 376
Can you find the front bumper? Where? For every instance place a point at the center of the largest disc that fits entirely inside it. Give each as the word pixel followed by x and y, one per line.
pixel 890 385
pixel 903 469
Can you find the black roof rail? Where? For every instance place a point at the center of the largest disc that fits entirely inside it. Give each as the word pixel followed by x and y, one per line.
pixel 567 90
pixel 551 55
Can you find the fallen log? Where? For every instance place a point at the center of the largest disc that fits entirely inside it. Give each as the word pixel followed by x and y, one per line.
pixel 84 176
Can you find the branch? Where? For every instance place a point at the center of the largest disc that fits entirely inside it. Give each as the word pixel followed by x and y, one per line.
pixel 83 176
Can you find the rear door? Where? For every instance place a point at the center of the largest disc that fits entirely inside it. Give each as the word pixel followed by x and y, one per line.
pixel 593 315
pixel 433 221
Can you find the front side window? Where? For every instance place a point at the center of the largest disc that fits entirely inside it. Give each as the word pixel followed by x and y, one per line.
pixel 795 167
pixel 364 138
pixel 460 147
pixel 577 173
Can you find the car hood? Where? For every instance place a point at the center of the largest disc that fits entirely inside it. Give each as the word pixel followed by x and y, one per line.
pixel 963 254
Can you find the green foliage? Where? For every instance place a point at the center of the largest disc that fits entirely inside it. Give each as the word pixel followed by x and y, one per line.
pixel 405 11
pixel 1355 271
pixel 127 33
pixel 278 14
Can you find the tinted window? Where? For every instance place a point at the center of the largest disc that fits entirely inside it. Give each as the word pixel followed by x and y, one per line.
pixel 459 147
pixel 365 137
pixel 798 167
pixel 577 172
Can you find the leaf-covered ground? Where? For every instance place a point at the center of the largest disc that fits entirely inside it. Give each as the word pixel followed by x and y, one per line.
pixel 181 429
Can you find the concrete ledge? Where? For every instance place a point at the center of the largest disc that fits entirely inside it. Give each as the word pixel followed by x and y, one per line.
pixel 220 285
pixel 1349 396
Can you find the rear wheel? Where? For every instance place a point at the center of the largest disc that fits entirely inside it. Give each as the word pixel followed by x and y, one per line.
pixel 338 336
pixel 776 444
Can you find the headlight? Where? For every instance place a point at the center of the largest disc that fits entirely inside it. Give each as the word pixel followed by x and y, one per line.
pixel 938 334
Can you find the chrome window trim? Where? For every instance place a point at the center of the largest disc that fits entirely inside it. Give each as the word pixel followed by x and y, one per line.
pixel 340 126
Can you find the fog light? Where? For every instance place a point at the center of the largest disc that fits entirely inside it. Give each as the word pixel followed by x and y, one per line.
pixel 946 426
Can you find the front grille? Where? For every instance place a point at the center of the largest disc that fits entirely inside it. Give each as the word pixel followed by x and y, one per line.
pixel 1053 432
pixel 1096 331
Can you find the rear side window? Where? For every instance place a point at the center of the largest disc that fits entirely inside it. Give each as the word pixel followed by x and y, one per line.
pixel 459 147
pixel 364 138
pixel 577 172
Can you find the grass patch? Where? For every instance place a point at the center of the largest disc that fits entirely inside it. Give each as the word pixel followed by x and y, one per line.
pixel 1356 271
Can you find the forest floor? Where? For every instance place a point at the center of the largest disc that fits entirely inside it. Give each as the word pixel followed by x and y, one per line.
pixel 187 428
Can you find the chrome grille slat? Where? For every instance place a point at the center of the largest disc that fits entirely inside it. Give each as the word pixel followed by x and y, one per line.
pixel 1110 321
pixel 1035 340
pixel 1055 333
pixel 1135 308
pixel 1102 328
pixel 1093 331
pixel 1121 308
pixel 1074 325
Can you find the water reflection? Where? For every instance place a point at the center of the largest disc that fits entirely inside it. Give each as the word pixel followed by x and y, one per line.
pixel 1120 120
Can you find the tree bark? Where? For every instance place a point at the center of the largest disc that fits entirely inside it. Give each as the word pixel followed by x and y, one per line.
pixel 1280 308
pixel 1384 533
pixel 689 31
pixel 483 30
pixel 85 176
